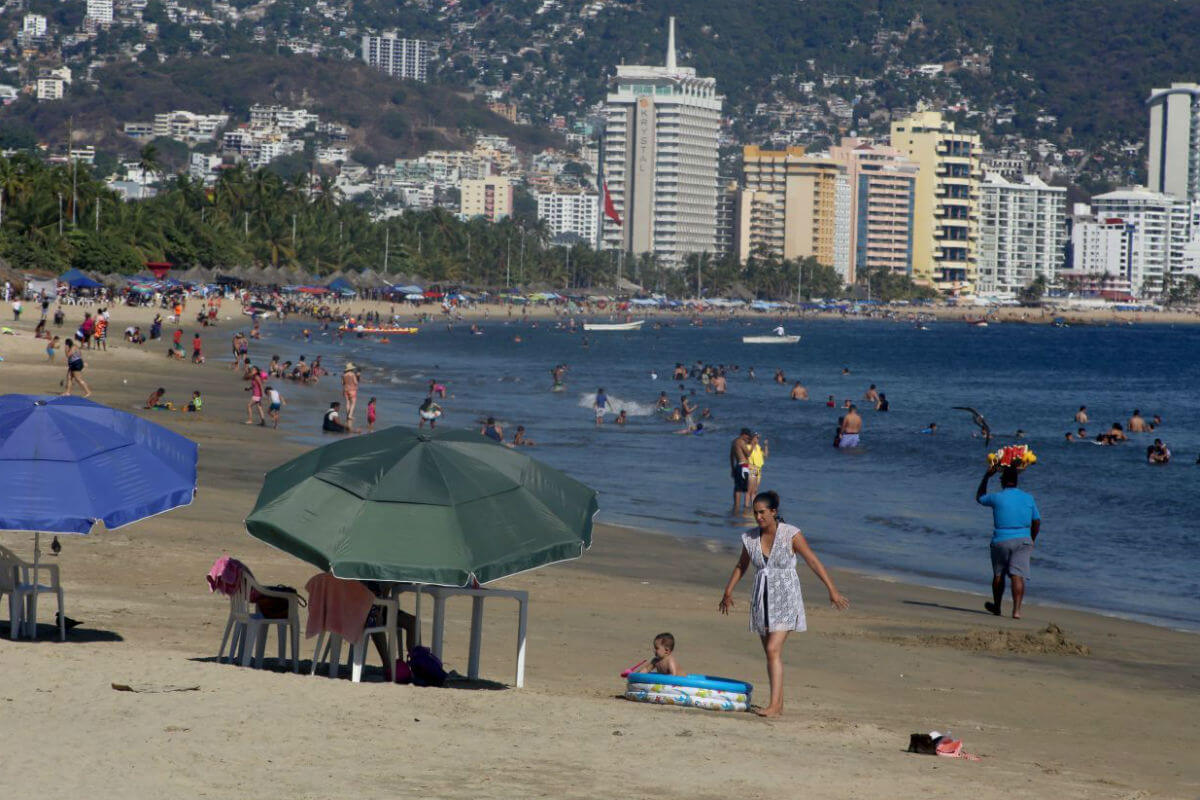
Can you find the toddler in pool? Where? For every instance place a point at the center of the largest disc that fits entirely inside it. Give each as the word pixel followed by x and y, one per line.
pixel 664 655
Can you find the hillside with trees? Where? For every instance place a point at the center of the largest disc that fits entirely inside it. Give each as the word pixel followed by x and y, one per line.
pixel 387 117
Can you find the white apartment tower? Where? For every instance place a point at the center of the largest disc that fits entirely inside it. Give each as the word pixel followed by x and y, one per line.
pixel 101 11
pixel 570 212
pixel 1174 141
pixel 400 58
pixel 660 159
pixel 33 25
pixel 1022 230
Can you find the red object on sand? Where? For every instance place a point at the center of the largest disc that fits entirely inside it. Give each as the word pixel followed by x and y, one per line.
pixel 626 673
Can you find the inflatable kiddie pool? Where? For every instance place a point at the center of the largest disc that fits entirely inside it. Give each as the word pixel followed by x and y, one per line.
pixel 702 691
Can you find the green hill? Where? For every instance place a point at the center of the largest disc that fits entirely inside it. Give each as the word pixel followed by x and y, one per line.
pixel 1089 63
pixel 388 117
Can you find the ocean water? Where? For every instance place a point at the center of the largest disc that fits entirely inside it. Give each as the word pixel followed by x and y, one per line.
pixel 1118 535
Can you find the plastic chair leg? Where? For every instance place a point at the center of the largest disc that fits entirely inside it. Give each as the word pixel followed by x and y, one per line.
pixel 62 618
pixel 221 654
pixel 249 642
pixel 317 653
pixel 238 644
pixel 261 634
pixel 335 656
pixel 282 659
pixel 15 619
pixel 359 653
pixel 31 616
pixel 294 628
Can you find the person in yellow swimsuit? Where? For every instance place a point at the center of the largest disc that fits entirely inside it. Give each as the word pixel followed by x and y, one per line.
pixel 758 456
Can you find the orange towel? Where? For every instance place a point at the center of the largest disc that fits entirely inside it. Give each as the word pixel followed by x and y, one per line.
pixel 337 606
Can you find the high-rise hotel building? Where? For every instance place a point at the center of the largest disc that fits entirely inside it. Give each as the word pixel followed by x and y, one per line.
pixel 882 195
pixel 660 159
pixel 946 207
pixel 1174 141
pixel 400 58
pixel 794 206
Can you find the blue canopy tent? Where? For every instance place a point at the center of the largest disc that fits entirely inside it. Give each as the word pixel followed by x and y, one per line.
pixel 77 280
pixel 341 286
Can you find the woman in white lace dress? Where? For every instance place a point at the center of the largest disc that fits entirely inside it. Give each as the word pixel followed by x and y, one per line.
pixel 776 606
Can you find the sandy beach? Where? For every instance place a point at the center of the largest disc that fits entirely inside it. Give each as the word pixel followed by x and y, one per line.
pixel 1102 708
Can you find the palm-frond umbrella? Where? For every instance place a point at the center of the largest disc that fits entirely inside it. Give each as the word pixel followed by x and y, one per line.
pixel 442 508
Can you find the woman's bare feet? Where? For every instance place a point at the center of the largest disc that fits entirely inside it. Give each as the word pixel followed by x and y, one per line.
pixel 1016 615
pixel 769 711
pixel 992 608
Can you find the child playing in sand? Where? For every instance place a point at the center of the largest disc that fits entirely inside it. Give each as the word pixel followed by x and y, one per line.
pixel 371 415
pixel 664 656
pixel 51 346
pixel 155 400
pixel 196 403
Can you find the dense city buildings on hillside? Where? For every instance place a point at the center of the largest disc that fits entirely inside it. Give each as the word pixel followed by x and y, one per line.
pixel 945 218
pixel 882 194
pixel 397 56
pixel 1022 231
pixel 660 159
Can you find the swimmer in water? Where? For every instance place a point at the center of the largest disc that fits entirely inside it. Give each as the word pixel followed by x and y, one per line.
pixel 521 440
pixel 558 374
pixel 622 418
pixel 798 391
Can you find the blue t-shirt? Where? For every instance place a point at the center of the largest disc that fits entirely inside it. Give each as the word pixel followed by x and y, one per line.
pixel 1012 513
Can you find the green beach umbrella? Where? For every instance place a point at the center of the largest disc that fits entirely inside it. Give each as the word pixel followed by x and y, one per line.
pixel 438 508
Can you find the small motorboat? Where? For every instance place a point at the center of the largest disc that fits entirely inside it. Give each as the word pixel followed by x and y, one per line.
pixel 614 326
pixel 976 323
pixel 778 337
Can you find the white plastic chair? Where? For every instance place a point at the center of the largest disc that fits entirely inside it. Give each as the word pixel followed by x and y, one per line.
pixel 249 627
pixel 20 581
pixel 331 652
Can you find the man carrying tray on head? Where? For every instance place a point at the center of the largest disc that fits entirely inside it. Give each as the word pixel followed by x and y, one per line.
pixel 1016 522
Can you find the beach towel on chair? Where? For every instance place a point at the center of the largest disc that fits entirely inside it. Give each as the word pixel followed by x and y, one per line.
pixel 337 606
pixel 226 574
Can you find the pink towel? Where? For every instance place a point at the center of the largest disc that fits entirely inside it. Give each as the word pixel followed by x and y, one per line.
pixel 337 606
pixel 225 575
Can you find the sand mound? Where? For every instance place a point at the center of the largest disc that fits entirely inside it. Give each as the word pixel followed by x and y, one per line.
pixel 1050 641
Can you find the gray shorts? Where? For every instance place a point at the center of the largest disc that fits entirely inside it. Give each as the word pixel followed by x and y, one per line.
pixel 1011 557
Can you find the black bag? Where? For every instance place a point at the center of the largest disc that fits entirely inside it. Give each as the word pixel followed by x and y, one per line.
pixel 276 607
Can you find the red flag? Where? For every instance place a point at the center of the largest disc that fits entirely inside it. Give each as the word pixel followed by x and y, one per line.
pixel 610 210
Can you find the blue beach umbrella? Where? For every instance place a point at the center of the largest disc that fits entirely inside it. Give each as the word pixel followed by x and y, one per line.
pixel 67 463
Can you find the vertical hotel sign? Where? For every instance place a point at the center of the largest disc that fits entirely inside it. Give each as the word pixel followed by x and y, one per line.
pixel 640 216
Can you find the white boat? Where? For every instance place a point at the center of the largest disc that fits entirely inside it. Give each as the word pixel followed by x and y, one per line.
pixel 772 339
pixel 614 326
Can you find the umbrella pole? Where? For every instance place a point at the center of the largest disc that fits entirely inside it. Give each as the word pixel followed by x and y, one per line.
pixel 31 603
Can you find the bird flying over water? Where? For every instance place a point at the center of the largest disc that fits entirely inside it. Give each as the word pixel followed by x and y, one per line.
pixel 979 420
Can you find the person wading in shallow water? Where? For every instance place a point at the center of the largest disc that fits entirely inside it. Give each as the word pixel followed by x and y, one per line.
pixel 1016 522
pixel 776 605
